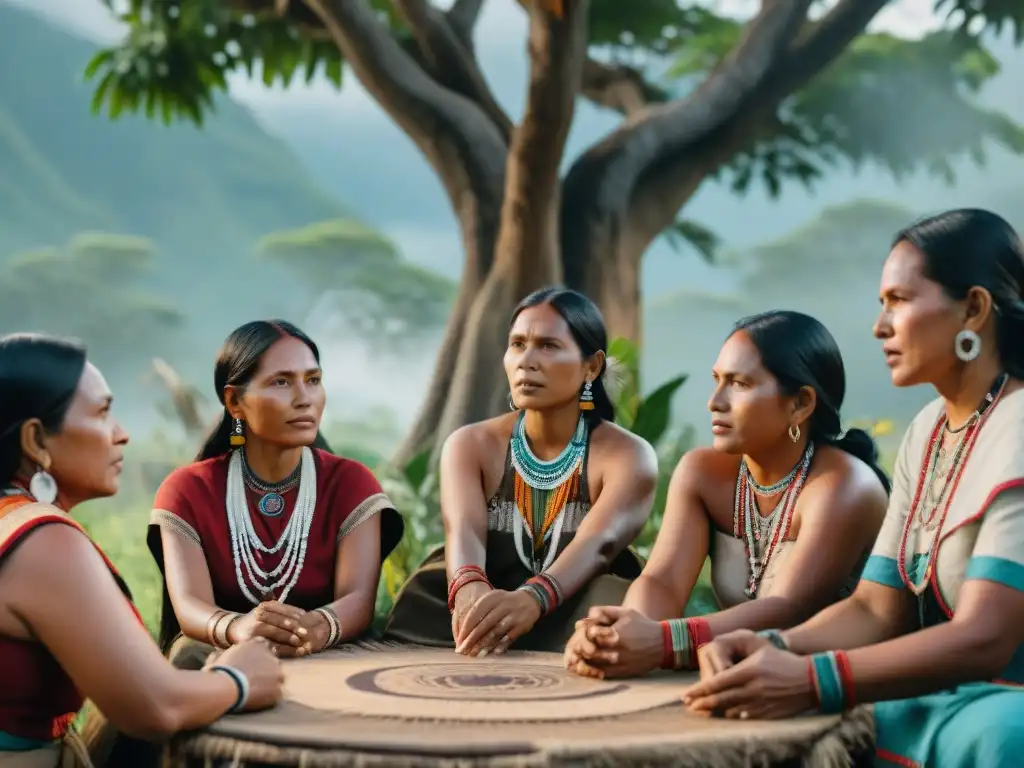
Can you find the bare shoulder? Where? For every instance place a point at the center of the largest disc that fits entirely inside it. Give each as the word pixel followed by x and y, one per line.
pixel 482 438
pixel 840 482
pixel 623 449
pixel 704 464
pixel 51 557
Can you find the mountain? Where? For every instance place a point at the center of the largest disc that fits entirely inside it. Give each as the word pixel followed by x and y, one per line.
pixel 204 196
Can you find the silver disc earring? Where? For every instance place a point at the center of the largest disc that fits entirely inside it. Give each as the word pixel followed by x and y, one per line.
pixel 43 487
pixel 968 345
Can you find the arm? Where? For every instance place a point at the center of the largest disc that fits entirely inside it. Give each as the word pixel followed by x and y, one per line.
pixel 978 643
pixel 680 549
pixel 188 583
pixel 616 517
pixel 357 573
pixel 839 522
pixel 77 611
pixel 463 501
pixel 881 607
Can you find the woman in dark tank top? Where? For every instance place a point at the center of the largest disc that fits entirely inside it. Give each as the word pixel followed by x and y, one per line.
pixel 539 505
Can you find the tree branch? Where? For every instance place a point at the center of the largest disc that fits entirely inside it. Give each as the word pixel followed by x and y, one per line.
pixel 558 50
pixel 462 17
pixel 618 88
pixel 462 144
pixel 449 60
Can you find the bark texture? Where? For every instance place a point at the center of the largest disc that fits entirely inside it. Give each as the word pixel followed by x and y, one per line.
pixel 522 226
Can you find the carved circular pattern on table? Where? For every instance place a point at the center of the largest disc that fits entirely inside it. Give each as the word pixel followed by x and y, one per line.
pixel 431 684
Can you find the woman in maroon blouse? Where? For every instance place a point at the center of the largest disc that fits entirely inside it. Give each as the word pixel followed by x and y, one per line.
pixel 266 535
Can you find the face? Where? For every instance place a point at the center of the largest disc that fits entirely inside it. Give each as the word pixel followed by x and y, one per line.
pixel 748 412
pixel 544 365
pixel 86 455
pixel 285 399
pixel 918 322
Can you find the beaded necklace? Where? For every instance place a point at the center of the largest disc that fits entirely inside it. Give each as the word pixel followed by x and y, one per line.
pixel 246 546
pixel 753 528
pixel 271 501
pixel 932 523
pixel 542 490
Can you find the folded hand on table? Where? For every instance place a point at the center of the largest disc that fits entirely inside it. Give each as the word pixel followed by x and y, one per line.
pixel 744 676
pixel 615 642
pixel 494 621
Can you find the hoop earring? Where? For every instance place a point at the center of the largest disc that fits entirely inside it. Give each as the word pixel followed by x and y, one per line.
pixel 587 397
pixel 43 487
pixel 511 403
pixel 968 345
pixel 238 434
pixel 794 432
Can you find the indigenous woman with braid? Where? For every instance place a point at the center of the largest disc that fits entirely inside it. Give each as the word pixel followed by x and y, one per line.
pixel 264 535
pixel 934 633
pixel 787 506
pixel 538 505
pixel 68 628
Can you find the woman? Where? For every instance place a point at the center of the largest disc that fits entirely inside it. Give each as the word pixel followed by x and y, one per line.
pixel 68 628
pixel 934 632
pixel 537 504
pixel 265 536
pixel 787 507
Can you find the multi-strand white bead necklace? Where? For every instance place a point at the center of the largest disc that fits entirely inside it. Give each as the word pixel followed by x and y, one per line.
pixel 246 545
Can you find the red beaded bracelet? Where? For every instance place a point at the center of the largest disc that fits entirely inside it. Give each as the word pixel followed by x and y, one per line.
pixel 845 678
pixel 668 659
pixel 467 574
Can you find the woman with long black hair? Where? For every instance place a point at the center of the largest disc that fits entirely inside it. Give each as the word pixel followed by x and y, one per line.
pixel 539 505
pixel 266 535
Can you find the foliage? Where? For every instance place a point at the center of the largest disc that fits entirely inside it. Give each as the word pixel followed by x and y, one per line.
pixel 88 289
pixel 362 278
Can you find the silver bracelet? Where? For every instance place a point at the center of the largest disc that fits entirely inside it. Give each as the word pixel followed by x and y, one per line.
pixel 334 636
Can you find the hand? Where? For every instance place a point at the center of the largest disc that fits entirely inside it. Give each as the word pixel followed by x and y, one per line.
pixel 728 650
pixel 496 620
pixel 465 599
pixel 769 684
pixel 318 632
pixel 256 660
pixel 584 654
pixel 620 642
pixel 277 622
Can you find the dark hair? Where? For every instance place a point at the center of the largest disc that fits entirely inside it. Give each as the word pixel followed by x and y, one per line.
pixel 586 324
pixel 237 363
pixel 970 247
pixel 39 376
pixel 798 351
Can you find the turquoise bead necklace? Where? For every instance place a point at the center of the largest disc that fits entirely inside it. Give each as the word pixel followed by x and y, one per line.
pixel 547 475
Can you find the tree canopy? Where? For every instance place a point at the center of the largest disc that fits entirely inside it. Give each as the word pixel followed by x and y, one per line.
pixel 89 288
pixel 774 99
pixel 363 278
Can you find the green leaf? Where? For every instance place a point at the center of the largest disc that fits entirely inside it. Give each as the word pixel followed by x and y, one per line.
pixel 655 412
pixel 417 470
pixel 697 236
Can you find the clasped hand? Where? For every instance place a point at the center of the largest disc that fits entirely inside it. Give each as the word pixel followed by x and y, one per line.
pixel 489 620
pixel 291 631
pixel 614 642
pixel 744 676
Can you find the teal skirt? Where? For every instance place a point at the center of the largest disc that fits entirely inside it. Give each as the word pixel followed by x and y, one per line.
pixel 977 725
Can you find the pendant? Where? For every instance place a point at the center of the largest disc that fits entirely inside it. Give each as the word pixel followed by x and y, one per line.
pixel 271 505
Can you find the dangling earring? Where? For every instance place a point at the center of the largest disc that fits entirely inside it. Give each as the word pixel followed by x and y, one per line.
pixel 238 434
pixel 511 403
pixel 587 398
pixel 794 432
pixel 968 345
pixel 43 487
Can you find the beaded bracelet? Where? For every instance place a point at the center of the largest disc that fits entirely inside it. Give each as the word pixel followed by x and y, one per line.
pixel 682 639
pixel 774 637
pixel 334 635
pixel 241 682
pixel 831 681
pixel 545 590
pixel 467 574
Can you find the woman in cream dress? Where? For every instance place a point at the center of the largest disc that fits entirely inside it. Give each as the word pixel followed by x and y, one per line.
pixel 934 633
pixel 787 506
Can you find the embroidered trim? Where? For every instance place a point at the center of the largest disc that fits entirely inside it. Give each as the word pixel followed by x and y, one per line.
pixel 170 522
pixel 369 507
